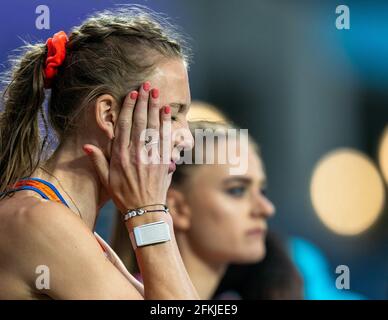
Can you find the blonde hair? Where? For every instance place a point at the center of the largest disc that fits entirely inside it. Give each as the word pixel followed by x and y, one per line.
pixel 201 111
pixel 203 116
pixel 111 52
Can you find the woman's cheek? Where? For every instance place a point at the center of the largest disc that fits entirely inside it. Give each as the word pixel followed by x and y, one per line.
pixel 210 228
pixel 229 221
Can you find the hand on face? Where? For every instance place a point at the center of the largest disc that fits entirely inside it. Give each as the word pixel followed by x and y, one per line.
pixel 129 180
pixel 138 173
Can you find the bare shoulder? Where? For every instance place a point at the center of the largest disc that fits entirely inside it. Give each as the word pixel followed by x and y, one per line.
pixel 47 234
pixel 34 218
pixel 34 231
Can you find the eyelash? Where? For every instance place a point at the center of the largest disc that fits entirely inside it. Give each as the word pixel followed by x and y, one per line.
pixel 230 191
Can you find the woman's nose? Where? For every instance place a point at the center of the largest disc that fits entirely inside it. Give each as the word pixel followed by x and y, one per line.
pixel 263 206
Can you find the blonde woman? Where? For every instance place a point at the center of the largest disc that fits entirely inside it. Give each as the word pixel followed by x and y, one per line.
pixel 114 76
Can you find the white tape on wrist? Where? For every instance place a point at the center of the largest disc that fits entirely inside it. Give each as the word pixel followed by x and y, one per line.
pixel 150 233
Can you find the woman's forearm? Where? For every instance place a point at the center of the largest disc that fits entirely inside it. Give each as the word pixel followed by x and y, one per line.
pixel 161 266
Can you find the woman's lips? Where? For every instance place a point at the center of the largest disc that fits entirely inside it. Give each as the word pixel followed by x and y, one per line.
pixel 256 232
pixel 171 167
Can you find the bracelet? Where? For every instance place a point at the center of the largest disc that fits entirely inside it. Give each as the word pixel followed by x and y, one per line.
pixel 140 211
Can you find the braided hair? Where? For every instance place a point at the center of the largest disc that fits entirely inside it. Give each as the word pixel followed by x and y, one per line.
pixel 111 52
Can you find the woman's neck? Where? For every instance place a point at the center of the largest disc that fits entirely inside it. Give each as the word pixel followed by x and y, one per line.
pixel 78 182
pixel 205 275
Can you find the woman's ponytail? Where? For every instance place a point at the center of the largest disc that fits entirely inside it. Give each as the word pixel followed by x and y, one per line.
pixel 23 97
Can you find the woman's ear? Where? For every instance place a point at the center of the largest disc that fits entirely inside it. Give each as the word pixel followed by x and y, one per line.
pixel 179 209
pixel 106 110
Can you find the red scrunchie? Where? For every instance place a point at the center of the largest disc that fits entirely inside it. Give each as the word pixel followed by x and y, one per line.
pixel 56 53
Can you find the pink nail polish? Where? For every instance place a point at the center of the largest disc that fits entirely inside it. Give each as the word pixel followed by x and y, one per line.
pixel 87 150
pixel 146 86
pixel 134 95
pixel 155 93
pixel 167 109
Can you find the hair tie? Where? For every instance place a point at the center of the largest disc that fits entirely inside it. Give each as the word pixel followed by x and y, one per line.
pixel 56 53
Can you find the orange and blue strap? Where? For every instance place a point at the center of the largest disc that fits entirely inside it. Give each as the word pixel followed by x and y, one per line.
pixel 46 191
pixel 44 188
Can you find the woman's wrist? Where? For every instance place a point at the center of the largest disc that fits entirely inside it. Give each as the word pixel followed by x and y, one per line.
pixel 158 207
pixel 148 218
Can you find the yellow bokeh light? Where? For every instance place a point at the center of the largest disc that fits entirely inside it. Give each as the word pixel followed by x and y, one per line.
pixel 383 154
pixel 347 192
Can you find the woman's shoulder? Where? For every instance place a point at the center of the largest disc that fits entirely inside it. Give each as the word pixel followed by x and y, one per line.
pixel 35 232
pixel 26 209
pixel 29 226
pixel 29 223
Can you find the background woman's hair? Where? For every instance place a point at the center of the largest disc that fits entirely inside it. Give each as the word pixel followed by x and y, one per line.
pixel 274 278
pixel 112 52
pixel 203 116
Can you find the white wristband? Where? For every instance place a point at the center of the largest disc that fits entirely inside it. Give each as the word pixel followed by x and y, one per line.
pixel 150 233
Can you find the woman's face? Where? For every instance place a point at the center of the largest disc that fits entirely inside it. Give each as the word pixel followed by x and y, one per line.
pixel 228 213
pixel 171 78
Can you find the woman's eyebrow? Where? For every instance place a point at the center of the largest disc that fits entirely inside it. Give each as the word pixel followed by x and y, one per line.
pixel 244 180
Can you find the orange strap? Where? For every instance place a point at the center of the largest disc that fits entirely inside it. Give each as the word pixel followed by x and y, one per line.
pixel 45 191
pixel 50 194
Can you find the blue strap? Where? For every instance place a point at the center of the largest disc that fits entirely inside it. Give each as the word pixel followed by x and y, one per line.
pixel 52 187
pixel 32 189
pixel 41 193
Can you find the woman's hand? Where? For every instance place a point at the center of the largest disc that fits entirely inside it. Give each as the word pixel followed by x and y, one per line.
pixel 133 183
pixel 129 179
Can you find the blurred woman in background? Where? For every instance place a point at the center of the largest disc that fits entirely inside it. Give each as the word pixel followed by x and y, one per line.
pixel 219 218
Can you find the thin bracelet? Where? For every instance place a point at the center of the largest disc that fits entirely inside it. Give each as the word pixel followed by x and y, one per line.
pixel 140 211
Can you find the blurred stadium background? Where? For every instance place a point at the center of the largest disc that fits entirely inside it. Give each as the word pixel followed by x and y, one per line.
pixel 314 97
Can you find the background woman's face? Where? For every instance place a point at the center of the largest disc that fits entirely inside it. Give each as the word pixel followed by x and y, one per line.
pixel 228 212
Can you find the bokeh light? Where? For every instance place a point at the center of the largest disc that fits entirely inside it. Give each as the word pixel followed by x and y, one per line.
pixel 347 191
pixel 383 154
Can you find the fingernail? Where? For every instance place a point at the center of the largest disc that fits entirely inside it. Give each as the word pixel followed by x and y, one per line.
pixel 146 85
pixel 134 95
pixel 167 109
pixel 155 93
pixel 87 150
